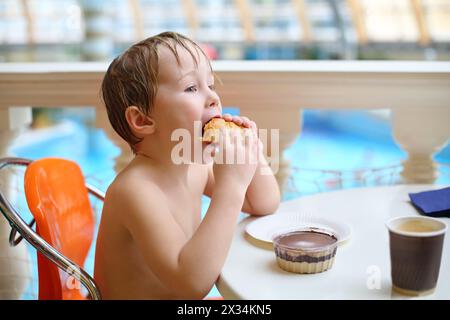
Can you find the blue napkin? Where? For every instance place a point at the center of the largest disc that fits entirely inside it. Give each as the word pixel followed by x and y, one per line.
pixel 435 203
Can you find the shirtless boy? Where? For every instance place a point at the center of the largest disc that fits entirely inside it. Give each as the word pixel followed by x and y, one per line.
pixel 152 242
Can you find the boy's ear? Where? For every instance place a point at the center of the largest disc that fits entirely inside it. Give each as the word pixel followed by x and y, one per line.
pixel 139 123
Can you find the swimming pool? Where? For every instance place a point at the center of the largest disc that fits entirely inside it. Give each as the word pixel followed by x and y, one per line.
pixel 348 145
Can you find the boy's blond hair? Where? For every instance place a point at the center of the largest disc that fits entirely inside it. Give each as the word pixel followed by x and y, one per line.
pixel 132 79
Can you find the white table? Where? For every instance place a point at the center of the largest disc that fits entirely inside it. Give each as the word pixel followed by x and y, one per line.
pixel 362 265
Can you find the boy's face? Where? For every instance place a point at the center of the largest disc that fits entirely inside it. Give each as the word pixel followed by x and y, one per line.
pixel 185 93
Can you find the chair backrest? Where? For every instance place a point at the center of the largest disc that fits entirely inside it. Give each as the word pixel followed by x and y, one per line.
pixel 58 199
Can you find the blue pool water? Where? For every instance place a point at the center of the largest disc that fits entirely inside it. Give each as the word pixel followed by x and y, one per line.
pixel 345 141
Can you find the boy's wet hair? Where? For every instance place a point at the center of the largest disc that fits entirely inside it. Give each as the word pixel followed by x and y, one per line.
pixel 132 79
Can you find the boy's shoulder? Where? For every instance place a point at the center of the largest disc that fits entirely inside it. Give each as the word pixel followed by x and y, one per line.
pixel 132 184
pixel 132 200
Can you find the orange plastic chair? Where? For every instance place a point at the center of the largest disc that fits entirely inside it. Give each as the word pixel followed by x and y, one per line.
pixel 58 199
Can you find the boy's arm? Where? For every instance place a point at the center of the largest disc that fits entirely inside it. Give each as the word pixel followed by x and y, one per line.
pixel 263 194
pixel 188 266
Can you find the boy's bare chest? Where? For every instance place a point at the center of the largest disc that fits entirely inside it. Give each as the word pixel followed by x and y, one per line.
pixel 186 202
pixel 186 209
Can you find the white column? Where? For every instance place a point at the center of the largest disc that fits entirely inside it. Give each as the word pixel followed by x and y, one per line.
pixel 15 263
pixel 102 122
pixel 420 132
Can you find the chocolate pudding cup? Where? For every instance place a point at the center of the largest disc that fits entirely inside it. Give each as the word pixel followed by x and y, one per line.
pixel 309 250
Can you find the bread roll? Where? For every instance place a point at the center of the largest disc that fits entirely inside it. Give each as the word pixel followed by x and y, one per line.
pixel 212 128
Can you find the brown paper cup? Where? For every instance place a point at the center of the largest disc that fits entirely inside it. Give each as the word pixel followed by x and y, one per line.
pixel 416 250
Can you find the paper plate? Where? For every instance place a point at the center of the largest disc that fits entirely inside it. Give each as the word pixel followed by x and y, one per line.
pixel 265 228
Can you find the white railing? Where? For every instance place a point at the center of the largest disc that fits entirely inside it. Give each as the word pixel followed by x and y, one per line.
pixel 273 93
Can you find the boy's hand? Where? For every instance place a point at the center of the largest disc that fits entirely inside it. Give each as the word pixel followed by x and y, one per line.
pixel 236 160
pixel 246 123
pixel 241 121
